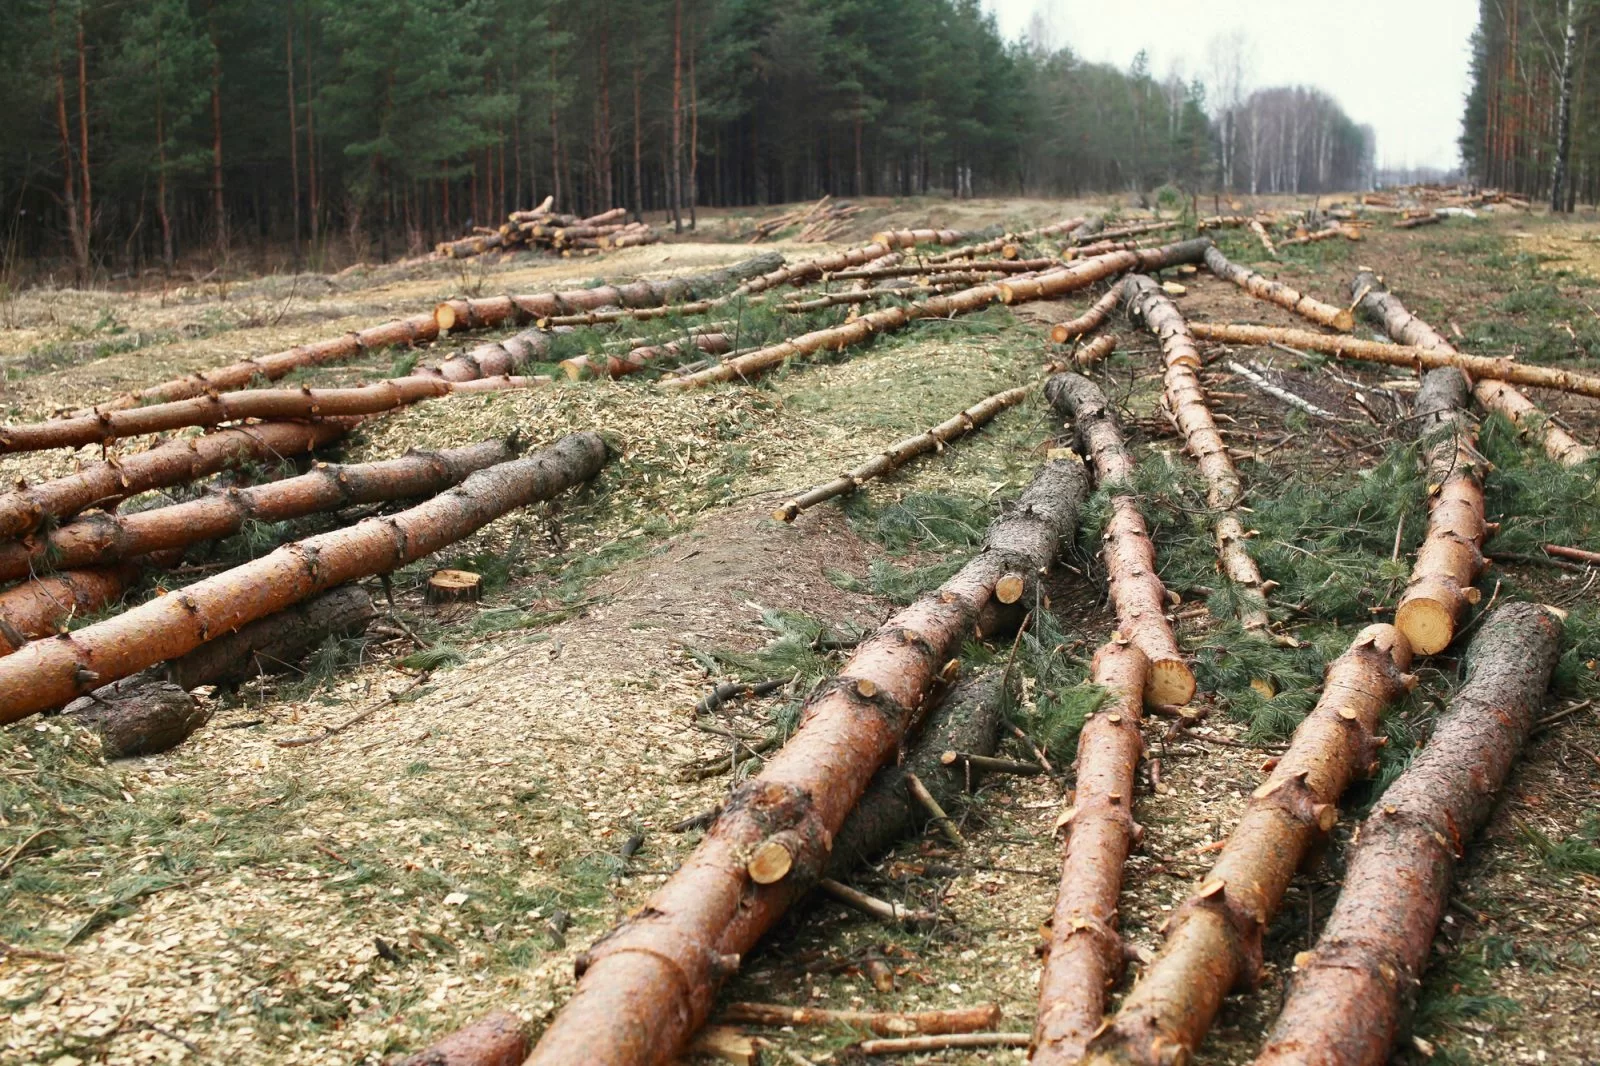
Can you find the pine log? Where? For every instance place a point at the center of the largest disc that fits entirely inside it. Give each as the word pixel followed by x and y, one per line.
pixel 902 452
pixel 454 586
pixel 48 673
pixel 646 987
pixel 1084 251
pixel 1132 230
pixel 490 311
pixel 172 462
pixel 1261 234
pixel 1478 366
pixel 102 539
pixel 1309 307
pixel 1386 310
pixel 1090 320
pixel 884 1023
pixel 497 1039
pixel 1091 354
pixel 139 715
pixel 1085 954
pixel 905 290
pixel 910 238
pixel 912 1045
pixel 1185 401
pixel 1137 594
pixel 1057 229
pixel 976 266
pixel 605 218
pixel 1085 230
pixel 1213 941
pixel 1053 283
pixel 616 366
pixel 1351 991
pixel 42 608
pixel 500 358
pixel 1332 230
pixel 1419 220
pixel 274 643
pixel 810 269
pixel 237 406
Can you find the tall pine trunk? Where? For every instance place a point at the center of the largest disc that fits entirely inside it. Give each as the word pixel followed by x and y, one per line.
pixel 1558 181
pixel 638 149
pixel 694 139
pixel 294 132
pixel 162 211
pixel 69 175
pixel 313 205
pixel 676 170
pixel 83 134
pixel 218 207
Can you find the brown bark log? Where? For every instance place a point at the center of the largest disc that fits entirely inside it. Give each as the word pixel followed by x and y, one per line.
pixel 1309 307
pixel 102 539
pixel 902 452
pixel 497 359
pixel 490 311
pixel 604 218
pixel 910 1045
pixel 43 608
pixel 1386 310
pixel 1084 956
pixel 173 462
pixel 1093 353
pixel 976 266
pixel 1333 230
pixel 904 290
pixel 1353 988
pixel 139 715
pixel 1576 554
pixel 910 238
pixel 1137 594
pixel 647 986
pixel 1419 220
pixel 47 673
pixel 1084 251
pixel 616 366
pixel 276 642
pixel 1185 402
pixel 1090 320
pixel 1261 235
pixel 497 1039
pixel 1213 941
pixel 884 1023
pixel 1134 230
pixel 223 407
pixel 1479 366
pixel 1451 556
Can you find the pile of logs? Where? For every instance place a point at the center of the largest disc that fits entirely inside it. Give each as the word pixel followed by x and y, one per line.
pixel 818 222
pixel 544 228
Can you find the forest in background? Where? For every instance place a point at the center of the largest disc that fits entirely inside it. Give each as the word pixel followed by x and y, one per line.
pixel 132 135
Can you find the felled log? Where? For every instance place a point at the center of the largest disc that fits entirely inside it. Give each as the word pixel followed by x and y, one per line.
pixel 1450 559
pixel 237 406
pixel 1090 320
pixel 1333 230
pixel 1052 283
pixel 42 608
pixel 976 266
pixel 1386 310
pixel 48 673
pixel 646 987
pixel 172 462
pixel 1056 229
pixel 102 539
pixel 275 643
pixel 1351 991
pixel 1084 956
pixel 1275 292
pixel 1094 352
pixel 497 1039
pixel 1261 234
pixel 1213 941
pixel 1419 220
pixel 1137 595
pixel 910 238
pixel 810 269
pixel 490 311
pixel 1185 401
pixel 616 366
pixel 1479 366
pixel 1132 230
pixel 605 218
pixel 884 1023
pixel 1222 222
pixel 904 290
pixel 495 359
pixel 902 452
pixel 1101 247
pixel 138 715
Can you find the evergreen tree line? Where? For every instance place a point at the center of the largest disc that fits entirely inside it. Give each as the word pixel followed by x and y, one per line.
pixel 135 133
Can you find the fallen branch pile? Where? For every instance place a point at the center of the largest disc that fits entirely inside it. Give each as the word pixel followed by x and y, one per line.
pixel 821 221
pixel 544 228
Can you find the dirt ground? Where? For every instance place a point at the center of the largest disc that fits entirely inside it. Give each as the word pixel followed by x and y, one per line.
pixel 333 902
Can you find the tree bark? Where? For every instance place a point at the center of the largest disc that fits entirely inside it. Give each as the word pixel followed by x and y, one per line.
pixel 219 214
pixel 1084 957
pixel 46 674
pixel 902 452
pixel 496 359
pixel 911 270
pixel 173 462
pixel 294 131
pixel 99 540
pixel 83 133
pixel 1309 307
pixel 1185 401
pixel 76 229
pixel 1213 941
pixel 274 643
pixel 138 715
pixel 650 984
pixel 641 358
pixel 497 1039
pixel 1351 991
pixel 677 116
pixel 1090 320
pixel 42 608
pixel 884 1023
pixel 1137 594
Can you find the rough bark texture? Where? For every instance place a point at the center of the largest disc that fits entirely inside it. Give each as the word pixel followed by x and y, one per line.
pixel 902 452
pixel 966 720
pixel 1095 352
pixel 173 462
pixel 1090 320
pixel 616 366
pixel 490 311
pixel 138 715
pixel 1386 310
pixel 1185 402
pixel 1084 955
pixel 1137 594
pixel 106 426
pixel 1309 307
pixel 497 359
pixel 497 1039
pixel 48 673
pixel 1353 989
pixel 1479 366
pixel 276 642
pixel 1451 556
pixel 808 269
pixel 1213 941
pixel 884 1023
pixel 646 988
pixel 100 539
pixel 912 270
pixel 42 608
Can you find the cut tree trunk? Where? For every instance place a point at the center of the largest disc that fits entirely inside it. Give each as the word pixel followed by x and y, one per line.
pixel 46 674
pixel 910 238
pixel 101 539
pixel 1351 991
pixel 172 462
pixel 500 358
pixel 1479 366
pixel 454 586
pixel 1137 594
pixel 1091 354
pixel 1122 232
pixel 274 643
pixel 1419 220
pixel 884 1023
pixel 490 311
pixel 646 987
pixel 902 452
pixel 138 715
pixel 1090 320
pixel 236 406
pixel 497 1039
pixel 1450 559
pixel 642 358
pixel 1053 283
pixel 1213 941
pixel 43 608
pixel 1265 238
pixel 1185 402
pixel 1309 307
pixel 976 266
pixel 1386 310
pixel 1085 954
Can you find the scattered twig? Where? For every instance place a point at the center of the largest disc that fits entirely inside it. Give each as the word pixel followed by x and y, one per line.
pixel 15 853
pixel 920 793
pixel 991 763
pixel 1567 712
pixel 900 1045
pixel 873 907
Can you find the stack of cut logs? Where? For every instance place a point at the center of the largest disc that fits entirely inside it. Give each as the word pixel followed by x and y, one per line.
pixel 821 221
pixel 542 227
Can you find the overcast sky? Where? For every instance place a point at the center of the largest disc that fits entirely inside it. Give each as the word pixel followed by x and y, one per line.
pixel 1398 65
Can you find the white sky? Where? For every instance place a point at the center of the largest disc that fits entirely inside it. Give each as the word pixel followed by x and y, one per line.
pixel 1398 65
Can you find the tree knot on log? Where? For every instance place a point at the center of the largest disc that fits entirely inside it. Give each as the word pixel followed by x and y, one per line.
pixel 1100 932
pixel 651 934
pixel 793 844
pixel 1294 796
pixel 1242 911
pixel 1377 959
pixel 865 693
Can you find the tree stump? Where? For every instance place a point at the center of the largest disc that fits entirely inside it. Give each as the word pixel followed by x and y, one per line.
pixel 455 586
pixel 138 715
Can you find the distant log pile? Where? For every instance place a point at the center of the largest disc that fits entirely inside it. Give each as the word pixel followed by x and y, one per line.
pixel 544 228
pixel 822 221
